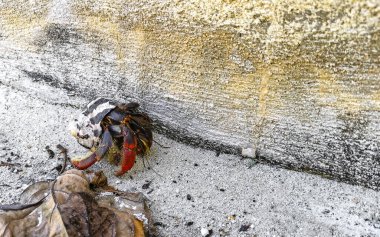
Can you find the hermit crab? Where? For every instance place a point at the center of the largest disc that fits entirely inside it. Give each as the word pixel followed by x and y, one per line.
pixel 119 130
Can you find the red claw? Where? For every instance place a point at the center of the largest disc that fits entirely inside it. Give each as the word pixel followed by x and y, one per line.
pixel 84 163
pixel 127 162
pixel 105 144
pixel 129 151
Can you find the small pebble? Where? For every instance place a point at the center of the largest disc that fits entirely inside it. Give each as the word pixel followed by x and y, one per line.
pixel 146 185
pixel 326 211
pixel 16 170
pixel 190 223
pixel 232 218
pixel 248 152
pixel 188 197
pixel 223 232
pixel 244 228
pixel 204 232
pixel 24 186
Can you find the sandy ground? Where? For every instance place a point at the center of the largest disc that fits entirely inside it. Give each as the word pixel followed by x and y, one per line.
pixel 188 188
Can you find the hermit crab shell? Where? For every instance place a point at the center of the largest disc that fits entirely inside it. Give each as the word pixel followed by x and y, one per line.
pixel 86 129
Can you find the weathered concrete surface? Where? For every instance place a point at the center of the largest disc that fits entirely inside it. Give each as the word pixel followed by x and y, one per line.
pixel 228 195
pixel 296 82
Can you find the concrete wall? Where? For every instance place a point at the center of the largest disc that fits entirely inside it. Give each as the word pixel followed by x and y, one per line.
pixel 296 83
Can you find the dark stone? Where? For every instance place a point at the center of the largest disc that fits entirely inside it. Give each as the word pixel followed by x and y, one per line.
pixel 326 211
pixel 146 185
pixel 190 223
pixel 244 228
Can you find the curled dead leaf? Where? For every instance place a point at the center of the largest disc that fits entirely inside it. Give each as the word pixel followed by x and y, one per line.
pixel 77 203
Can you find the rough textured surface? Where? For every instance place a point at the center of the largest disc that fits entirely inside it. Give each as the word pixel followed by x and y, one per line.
pixel 294 82
pixel 190 189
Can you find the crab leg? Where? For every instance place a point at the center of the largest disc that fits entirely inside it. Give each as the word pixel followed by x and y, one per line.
pixel 129 150
pixel 87 161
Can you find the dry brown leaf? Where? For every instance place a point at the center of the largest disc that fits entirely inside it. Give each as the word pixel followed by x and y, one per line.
pixel 77 203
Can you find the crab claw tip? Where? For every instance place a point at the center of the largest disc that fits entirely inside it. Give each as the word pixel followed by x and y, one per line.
pixel 74 133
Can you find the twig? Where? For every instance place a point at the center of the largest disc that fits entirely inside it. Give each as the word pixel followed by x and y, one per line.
pixel 3 163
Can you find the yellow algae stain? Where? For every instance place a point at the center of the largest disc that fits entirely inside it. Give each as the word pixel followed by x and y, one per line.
pixel 263 94
pixel 376 100
pixel 105 23
pixel 22 28
pixel 242 86
pixel 22 23
pixel 198 68
pixel 196 63
pixel 126 44
pixel 343 94
pixel 109 31
pixel 262 104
